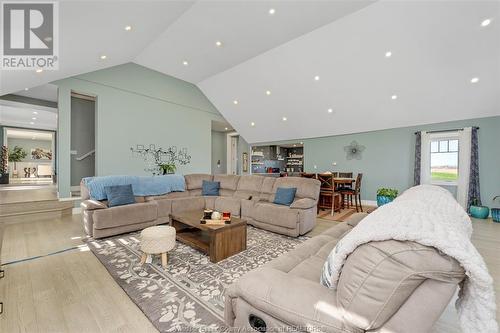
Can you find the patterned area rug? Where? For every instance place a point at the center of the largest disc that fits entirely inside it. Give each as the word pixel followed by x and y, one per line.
pixel 189 294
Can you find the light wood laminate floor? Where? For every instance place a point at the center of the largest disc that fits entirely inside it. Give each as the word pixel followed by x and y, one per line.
pixel 73 292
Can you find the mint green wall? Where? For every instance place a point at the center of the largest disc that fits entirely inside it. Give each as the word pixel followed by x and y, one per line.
pixel 389 156
pixel 136 105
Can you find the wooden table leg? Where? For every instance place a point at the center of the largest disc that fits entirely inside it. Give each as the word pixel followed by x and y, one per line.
pixel 164 259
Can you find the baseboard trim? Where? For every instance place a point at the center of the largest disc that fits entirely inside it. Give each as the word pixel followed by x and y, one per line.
pixel 369 202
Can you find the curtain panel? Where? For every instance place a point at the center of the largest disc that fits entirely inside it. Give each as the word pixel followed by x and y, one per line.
pixel 474 192
pixel 418 154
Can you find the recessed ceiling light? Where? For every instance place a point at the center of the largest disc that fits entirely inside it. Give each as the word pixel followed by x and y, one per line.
pixel 35 112
pixel 225 128
pixel 474 80
pixel 218 43
pixel 388 54
pixel 39 70
pixel 32 123
pixel 252 124
pixel 301 142
pixel 103 57
pixel 185 63
pixel 316 78
pixel 128 28
pixel 268 92
pixel 486 23
pixel 394 97
pixel 26 89
pixel 284 119
pixel 272 11
pixel 34 118
pixel 330 110
pixel 235 102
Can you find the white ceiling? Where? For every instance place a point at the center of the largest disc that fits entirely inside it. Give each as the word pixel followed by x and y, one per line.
pixel 245 28
pixel 437 48
pixel 25 134
pixel 89 29
pixel 21 115
pixel 46 92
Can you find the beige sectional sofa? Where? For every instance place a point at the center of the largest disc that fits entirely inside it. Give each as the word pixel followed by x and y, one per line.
pixel 250 197
pixel 387 286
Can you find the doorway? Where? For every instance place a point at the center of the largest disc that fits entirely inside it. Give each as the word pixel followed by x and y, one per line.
pixel 83 110
pixel 31 156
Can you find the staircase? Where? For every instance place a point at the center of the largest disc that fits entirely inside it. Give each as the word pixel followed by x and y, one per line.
pixel 34 210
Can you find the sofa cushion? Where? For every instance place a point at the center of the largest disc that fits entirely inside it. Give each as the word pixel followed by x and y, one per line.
pixel 278 215
pixel 285 195
pixel 209 188
pixel 378 277
pixel 125 215
pixel 194 181
pixel 250 183
pixel 304 203
pixel 267 188
pixel 228 204
pixel 227 182
pixel 306 187
pixel 92 204
pixel 187 204
pixel 119 195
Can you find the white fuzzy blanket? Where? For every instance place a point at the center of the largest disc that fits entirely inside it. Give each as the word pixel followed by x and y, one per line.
pixel 428 215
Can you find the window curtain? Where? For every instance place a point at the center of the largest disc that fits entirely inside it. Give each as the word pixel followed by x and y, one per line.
pixel 474 190
pixel 425 158
pixel 464 166
pixel 416 169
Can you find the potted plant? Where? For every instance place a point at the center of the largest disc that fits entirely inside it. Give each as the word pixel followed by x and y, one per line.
pixel 17 155
pixel 477 210
pixel 386 195
pixel 495 212
pixel 167 169
pixel 4 170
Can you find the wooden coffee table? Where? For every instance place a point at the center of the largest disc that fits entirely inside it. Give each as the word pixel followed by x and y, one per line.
pixel 217 241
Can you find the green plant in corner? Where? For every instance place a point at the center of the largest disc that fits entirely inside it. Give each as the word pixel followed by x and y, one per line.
pixel 386 195
pixel 167 168
pixel 387 192
pixel 4 170
pixel 17 155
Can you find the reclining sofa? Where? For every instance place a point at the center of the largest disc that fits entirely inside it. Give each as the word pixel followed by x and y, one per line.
pixel 250 197
pixel 388 286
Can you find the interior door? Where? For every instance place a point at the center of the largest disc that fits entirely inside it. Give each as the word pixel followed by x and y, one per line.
pixel 82 139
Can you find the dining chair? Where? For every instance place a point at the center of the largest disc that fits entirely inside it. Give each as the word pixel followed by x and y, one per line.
pixel 328 197
pixel 348 194
pixel 308 175
pixel 345 174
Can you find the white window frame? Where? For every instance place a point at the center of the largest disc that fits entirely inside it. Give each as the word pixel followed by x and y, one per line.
pixel 444 136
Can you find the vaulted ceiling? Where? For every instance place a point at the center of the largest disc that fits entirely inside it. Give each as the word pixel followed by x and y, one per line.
pixel 280 70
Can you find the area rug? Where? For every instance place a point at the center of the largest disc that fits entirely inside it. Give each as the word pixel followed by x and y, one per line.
pixel 188 296
pixel 343 214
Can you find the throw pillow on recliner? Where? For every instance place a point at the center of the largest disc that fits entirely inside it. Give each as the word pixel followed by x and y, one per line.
pixel 285 195
pixel 209 188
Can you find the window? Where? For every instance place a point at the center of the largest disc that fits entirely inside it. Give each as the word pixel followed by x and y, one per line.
pixel 444 161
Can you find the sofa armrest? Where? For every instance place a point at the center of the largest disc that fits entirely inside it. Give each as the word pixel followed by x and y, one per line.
pixel 92 205
pixel 304 203
pixel 268 290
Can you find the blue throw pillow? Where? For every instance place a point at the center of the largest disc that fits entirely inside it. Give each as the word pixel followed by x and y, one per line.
pixel 285 195
pixel 210 188
pixel 119 195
